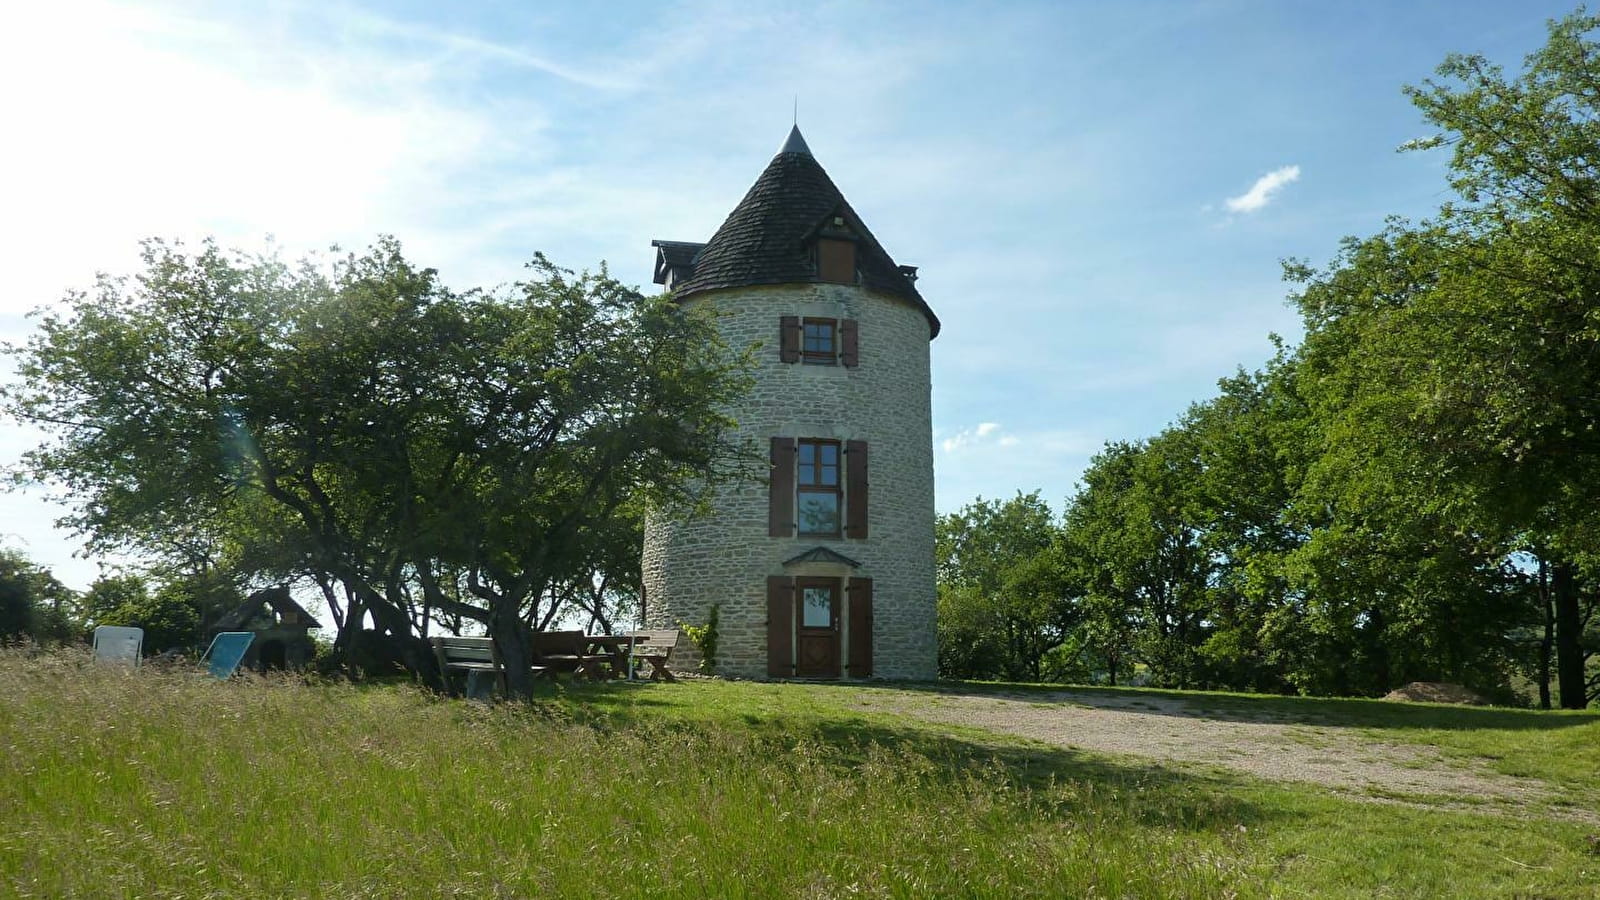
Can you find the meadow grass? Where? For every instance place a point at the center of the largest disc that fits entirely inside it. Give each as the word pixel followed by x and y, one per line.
pixel 168 784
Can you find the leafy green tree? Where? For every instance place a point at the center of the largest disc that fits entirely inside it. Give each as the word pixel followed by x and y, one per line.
pixel 1003 594
pixel 1137 522
pixel 16 599
pixel 1456 359
pixel 33 604
pixel 361 426
pixel 170 616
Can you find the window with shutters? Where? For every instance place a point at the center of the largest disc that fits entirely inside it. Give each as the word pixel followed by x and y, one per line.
pixel 819 341
pixel 817 480
pixel 817 488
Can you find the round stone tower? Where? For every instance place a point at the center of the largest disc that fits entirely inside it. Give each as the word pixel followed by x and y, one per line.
pixel 823 566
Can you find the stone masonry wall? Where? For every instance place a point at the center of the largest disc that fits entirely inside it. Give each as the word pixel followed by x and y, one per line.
pixel 885 401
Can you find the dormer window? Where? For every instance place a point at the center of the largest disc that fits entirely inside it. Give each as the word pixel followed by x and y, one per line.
pixel 836 260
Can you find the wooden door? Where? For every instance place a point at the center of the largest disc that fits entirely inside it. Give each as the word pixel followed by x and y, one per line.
pixel 817 627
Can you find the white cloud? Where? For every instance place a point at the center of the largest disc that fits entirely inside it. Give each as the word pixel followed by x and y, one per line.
pixel 1002 463
pixel 1262 192
pixel 975 436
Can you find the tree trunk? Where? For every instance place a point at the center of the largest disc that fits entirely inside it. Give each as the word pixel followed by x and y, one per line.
pixel 1569 647
pixel 1380 651
pixel 511 638
pixel 1547 643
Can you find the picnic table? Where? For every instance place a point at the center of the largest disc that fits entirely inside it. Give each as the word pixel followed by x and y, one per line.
pixel 617 649
pixel 567 651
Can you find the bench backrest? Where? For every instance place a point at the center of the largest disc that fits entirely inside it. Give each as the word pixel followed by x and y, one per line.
pixel 663 640
pixel 559 643
pixel 465 649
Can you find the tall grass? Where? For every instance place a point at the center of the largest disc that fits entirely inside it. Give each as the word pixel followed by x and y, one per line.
pixel 168 784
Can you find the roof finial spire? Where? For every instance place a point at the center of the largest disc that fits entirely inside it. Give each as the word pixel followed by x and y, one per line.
pixel 795 143
pixel 796 122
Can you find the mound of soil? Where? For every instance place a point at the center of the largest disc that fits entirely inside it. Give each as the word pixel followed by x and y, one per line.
pixel 1436 692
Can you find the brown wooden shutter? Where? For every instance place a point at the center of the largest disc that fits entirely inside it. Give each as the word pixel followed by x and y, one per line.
pixel 860 665
pixel 780 500
pixel 789 334
pixel 780 626
pixel 836 260
pixel 855 488
pixel 849 339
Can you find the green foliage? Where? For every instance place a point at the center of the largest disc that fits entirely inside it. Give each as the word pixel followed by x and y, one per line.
pixel 170 616
pixel 705 638
pixel 33 604
pixel 415 452
pixel 1003 590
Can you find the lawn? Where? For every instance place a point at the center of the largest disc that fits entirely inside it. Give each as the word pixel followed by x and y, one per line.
pixel 168 784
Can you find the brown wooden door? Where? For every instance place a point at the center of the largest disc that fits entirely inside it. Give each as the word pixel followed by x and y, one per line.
pixel 817 627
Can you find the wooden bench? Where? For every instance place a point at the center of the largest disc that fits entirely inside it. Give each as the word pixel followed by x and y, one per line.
pixel 566 651
pixel 655 648
pixel 475 656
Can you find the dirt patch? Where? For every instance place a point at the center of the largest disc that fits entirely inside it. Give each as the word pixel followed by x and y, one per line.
pixel 1436 692
pixel 1170 730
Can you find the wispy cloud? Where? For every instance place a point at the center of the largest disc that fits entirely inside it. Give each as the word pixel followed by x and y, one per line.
pixel 982 433
pixel 1265 188
pixel 991 461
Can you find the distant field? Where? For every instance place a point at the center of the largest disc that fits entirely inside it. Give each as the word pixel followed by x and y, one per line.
pixel 167 784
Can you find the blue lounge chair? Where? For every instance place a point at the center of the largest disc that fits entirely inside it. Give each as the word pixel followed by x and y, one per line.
pixel 226 651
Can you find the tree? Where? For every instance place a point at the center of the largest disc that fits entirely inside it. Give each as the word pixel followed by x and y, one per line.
pixel 360 426
pixel 1002 589
pixel 1139 527
pixel 1457 358
pixel 170 617
pixel 33 604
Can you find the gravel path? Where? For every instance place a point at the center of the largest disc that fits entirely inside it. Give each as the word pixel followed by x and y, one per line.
pixel 1171 730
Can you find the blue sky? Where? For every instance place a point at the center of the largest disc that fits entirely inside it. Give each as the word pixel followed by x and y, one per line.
pixel 1098 194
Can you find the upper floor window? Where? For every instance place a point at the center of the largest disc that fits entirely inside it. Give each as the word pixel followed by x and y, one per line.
pixel 819 345
pixel 818 488
pixel 818 480
pixel 819 341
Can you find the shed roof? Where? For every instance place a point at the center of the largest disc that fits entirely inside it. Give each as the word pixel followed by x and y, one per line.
pixel 763 241
pixel 277 598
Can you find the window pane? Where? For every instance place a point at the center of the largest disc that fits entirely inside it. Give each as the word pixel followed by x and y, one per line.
pixel 807 453
pixel 819 513
pixel 830 454
pixel 819 338
pixel 817 608
pixel 829 476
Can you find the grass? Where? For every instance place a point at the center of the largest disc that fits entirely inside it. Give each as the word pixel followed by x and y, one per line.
pixel 167 784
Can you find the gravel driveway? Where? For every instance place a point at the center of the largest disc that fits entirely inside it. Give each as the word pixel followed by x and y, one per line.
pixel 1171 730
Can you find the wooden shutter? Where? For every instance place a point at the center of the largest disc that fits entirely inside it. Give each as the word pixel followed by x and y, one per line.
pixel 780 626
pixel 860 665
pixel 855 489
pixel 836 260
pixel 780 499
pixel 849 338
pixel 789 334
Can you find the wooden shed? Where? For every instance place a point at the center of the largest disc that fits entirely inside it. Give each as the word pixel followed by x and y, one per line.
pixel 281 626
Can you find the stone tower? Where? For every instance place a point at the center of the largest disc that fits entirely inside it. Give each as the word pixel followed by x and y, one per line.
pixel 824 569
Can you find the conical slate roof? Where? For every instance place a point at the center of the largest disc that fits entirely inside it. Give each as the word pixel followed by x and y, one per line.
pixel 763 241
